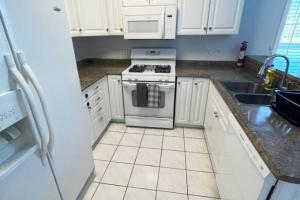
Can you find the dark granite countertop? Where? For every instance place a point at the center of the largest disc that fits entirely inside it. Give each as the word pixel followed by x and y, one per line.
pixel 91 70
pixel 276 140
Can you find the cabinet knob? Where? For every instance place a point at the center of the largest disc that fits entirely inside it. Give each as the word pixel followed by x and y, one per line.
pixel 205 28
pixel 196 83
pixel 107 30
pixel 80 30
pixel 121 29
pixel 178 83
pixel 210 28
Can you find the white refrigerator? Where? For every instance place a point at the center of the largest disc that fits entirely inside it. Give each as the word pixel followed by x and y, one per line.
pixel 45 153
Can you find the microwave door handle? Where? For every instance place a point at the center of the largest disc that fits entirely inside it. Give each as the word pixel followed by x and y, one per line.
pixel 30 76
pixel 32 103
pixel 162 25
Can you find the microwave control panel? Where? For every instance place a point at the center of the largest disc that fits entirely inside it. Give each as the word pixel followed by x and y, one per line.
pixel 170 22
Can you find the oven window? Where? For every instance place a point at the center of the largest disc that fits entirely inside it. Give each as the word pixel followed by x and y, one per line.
pixel 143 26
pixel 161 100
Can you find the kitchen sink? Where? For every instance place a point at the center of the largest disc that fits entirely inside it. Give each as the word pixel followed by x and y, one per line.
pixel 260 99
pixel 245 87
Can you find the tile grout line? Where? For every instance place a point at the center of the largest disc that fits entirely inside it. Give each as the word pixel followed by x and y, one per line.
pixel 107 164
pixel 186 172
pixel 159 165
pixel 134 164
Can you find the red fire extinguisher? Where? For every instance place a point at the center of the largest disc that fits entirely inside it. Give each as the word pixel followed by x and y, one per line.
pixel 241 60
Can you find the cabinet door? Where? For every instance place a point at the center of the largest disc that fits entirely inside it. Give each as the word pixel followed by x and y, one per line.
pixel 163 2
pixel 192 17
pixel 115 15
pixel 72 14
pixel 93 17
pixel 183 100
pixel 107 112
pixel 116 97
pixel 88 113
pixel 225 16
pixel 199 99
pixel 135 2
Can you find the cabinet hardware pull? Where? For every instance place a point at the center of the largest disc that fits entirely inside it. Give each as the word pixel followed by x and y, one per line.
pixel 178 83
pixel 210 28
pixel 80 30
pixel 98 98
pixel 107 30
pixel 196 83
pixel 205 28
pixel 121 29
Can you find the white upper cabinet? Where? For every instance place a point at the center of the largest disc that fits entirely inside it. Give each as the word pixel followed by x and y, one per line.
pixel 199 99
pixel 135 2
pixel 183 100
pixel 225 16
pixel 209 17
pixel 93 17
pixel 115 16
pixel 73 19
pixel 193 16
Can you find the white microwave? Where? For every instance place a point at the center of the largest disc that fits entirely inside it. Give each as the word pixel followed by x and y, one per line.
pixel 150 22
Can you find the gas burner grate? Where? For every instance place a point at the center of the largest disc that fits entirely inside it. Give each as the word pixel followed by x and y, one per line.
pixel 154 68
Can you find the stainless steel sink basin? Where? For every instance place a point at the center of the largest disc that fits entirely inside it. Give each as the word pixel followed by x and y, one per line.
pixel 245 87
pixel 260 99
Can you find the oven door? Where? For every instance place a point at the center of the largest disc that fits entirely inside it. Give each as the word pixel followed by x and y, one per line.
pixel 144 23
pixel 166 103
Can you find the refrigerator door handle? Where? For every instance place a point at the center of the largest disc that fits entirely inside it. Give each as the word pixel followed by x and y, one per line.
pixel 30 76
pixel 32 103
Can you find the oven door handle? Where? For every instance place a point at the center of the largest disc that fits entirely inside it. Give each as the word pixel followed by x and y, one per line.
pixel 164 85
pixel 126 84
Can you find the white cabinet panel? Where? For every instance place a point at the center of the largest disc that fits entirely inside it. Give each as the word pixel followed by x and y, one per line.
pixel 163 2
pixel 225 16
pixel 199 99
pixel 115 16
pixel 193 17
pixel 183 100
pixel 116 97
pixel 72 14
pixel 135 2
pixel 93 17
pixel 234 158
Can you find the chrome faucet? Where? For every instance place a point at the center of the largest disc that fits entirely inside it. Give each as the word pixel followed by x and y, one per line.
pixel 266 65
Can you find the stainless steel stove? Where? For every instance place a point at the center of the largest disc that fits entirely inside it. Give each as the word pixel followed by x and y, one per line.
pixel 151 67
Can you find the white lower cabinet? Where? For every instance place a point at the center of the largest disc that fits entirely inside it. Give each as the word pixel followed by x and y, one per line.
pixel 240 173
pixel 191 97
pixel 116 97
pixel 98 106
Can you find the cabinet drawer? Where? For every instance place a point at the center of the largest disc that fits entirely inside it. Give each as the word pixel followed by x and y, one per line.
pixel 95 111
pixel 96 99
pixel 92 90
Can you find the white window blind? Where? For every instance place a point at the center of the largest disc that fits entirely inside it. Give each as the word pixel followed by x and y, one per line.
pixel 289 44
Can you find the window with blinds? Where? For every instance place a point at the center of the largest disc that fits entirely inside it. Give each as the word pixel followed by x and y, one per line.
pixel 289 43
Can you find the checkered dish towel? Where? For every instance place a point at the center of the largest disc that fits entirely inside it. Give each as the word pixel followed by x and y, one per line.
pixel 153 95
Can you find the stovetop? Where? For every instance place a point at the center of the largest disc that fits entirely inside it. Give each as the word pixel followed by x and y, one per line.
pixel 151 68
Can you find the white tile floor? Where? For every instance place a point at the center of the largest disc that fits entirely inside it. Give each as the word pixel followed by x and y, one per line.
pixel 152 164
